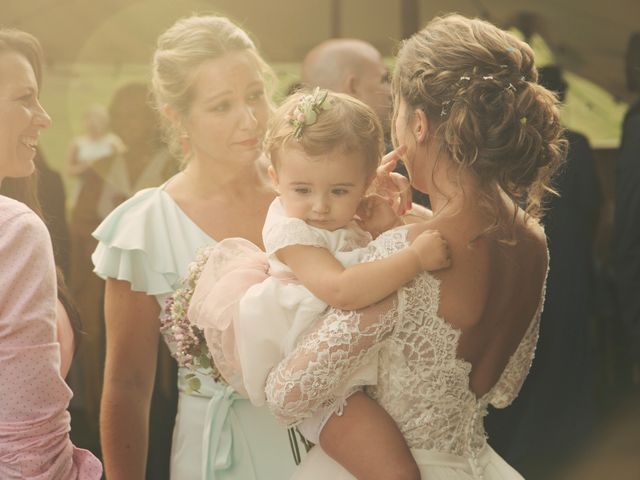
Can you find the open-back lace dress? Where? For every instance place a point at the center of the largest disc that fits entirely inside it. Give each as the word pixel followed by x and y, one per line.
pixel 422 383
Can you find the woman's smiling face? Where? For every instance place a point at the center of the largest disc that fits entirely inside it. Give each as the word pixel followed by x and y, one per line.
pixel 21 115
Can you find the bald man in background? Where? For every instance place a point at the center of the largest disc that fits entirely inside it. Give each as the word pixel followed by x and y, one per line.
pixel 355 67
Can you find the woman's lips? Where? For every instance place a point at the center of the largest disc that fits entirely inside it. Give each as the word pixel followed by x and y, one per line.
pixel 250 142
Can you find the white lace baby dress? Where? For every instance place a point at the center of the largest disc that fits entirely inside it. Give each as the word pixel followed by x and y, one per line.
pixel 253 310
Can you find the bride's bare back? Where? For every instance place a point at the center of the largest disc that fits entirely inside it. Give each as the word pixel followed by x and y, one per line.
pixel 491 292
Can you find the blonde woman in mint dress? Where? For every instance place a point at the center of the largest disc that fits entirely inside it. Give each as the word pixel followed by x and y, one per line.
pixel 209 86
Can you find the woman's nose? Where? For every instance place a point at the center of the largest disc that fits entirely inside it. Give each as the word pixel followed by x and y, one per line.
pixel 249 119
pixel 41 117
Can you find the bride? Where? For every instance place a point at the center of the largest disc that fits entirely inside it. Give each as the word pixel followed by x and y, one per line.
pixel 483 140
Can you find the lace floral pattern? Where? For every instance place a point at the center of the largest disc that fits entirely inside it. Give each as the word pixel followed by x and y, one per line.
pixel 290 231
pixel 421 382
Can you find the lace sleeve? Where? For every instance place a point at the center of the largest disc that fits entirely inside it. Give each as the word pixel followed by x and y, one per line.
pixel 312 376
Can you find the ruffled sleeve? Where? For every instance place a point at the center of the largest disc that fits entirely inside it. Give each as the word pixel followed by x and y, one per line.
pixel 147 241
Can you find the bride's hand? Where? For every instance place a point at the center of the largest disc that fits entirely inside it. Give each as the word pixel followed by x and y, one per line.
pixel 391 186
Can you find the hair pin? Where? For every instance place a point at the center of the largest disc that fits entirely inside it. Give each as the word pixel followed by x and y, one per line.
pixel 443 112
pixel 306 111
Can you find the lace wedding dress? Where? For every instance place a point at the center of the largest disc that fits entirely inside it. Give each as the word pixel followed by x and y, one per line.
pixel 421 382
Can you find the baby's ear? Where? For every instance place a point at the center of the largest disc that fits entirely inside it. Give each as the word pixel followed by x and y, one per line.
pixel 273 175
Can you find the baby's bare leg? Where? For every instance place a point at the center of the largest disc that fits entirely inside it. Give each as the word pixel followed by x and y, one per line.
pixel 366 441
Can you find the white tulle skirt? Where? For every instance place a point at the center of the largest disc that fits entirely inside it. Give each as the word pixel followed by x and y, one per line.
pixel 488 465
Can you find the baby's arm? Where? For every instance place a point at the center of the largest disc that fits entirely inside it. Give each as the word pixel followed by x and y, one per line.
pixel 366 283
pixel 366 441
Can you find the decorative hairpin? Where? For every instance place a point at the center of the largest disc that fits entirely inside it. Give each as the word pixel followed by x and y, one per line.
pixel 470 77
pixel 445 104
pixel 306 111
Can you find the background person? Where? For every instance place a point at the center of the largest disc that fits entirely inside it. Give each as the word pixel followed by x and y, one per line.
pixel 626 229
pixel 559 394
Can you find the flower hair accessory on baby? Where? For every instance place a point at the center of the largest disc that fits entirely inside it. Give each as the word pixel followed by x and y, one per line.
pixel 306 112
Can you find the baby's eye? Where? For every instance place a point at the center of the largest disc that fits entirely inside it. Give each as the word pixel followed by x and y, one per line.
pixel 339 191
pixel 302 190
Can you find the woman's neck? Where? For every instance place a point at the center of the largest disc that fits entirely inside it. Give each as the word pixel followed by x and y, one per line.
pixel 458 195
pixel 205 179
pixel 448 186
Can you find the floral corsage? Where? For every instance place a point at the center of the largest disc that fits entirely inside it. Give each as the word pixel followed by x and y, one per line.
pixel 188 345
pixel 306 111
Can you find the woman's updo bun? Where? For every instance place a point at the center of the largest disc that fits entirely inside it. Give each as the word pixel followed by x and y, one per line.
pixel 477 84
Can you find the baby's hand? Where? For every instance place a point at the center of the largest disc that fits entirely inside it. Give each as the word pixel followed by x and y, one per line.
pixel 432 250
pixel 376 216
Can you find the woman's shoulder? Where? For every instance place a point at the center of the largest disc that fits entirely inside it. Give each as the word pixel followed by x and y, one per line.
pixel 19 220
pixel 534 238
pixel 134 214
pixel 144 241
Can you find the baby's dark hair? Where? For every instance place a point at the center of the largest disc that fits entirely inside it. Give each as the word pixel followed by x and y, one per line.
pixel 347 126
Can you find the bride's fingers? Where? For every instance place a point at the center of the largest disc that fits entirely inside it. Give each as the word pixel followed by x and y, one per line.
pixel 389 161
pixel 403 192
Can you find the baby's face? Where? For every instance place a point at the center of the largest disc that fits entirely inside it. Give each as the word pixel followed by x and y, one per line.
pixel 324 190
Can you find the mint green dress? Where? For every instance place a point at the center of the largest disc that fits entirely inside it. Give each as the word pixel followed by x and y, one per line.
pixel 149 242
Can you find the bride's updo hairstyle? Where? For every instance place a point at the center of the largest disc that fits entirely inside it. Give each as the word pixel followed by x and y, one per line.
pixel 180 51
pixel 477 85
